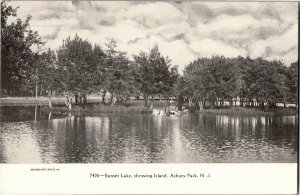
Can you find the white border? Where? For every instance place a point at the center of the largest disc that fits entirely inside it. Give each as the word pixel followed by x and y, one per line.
pixel 238 178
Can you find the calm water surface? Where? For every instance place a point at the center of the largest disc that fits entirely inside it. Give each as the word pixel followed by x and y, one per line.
pixel 27 135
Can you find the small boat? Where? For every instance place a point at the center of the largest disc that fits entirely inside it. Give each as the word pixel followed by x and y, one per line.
pixel 173 112
pixel 184 111
pixel 176 112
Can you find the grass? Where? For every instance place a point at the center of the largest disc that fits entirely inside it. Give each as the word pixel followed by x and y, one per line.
pixel 23 101
pixel 156 103
pixel 58 101
pixel 100 108
pixel 252 111
pixel 132 106
pixel 93 106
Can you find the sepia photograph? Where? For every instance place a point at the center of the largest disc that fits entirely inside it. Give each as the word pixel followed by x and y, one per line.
pixel 148 82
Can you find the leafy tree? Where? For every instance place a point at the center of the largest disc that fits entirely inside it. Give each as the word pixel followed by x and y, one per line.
pixel 267 82
pixel 248 76
pixel 179 91
pixel 199 80
pixel 47 73
pixel 119 80
pixel 154 73
pixel 76 68
pixel 99 57
pixel 212 79
pixel 193 77
pixel 292 83
pixel 44 72
pixel 17 56
pixel 230 79
pixel 170 80
pixel 183 90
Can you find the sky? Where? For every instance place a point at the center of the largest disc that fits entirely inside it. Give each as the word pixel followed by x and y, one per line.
pixel 183 31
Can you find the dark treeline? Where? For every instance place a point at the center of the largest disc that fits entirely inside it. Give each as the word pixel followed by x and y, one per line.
pixel 78 68
pixel 253 82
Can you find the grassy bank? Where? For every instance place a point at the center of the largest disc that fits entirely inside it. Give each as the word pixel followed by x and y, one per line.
pixel 24 101
pixel 252 111
pixel 93 106
pixel 132 106
pixel 101 108
pixel 58 101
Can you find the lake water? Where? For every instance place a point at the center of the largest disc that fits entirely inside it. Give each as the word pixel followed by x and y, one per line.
pixel 27 135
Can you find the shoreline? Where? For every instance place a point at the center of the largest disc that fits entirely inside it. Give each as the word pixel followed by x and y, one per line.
pixel 132 106
pixel 99 108
pixel 252 111
pixel 139 109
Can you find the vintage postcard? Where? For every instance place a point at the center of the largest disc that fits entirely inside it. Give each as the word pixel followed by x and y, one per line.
pixel 149 97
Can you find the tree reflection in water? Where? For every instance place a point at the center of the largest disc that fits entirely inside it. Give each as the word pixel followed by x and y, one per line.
pixel 29 136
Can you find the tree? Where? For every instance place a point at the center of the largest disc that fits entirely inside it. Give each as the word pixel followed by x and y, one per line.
pixel 99 57
pixel 210 79
pixel 197 77
pixel 77 68
pixel 248 76
pixel 179 91
pixel 268 82
pixel 47 73
pixel 170 79
pixel 17 56
pixel 154 73
pixel 119 80
pixel 292 83
pixel 230 78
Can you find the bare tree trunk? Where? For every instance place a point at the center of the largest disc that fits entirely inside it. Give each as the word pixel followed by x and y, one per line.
pixel 35 113
pixel 190 101
pixel 49 116
pixel 103 96
pixel 200 103
pixel 261 104
pixel 80 99
pixel 112 99
pixel 41 90
pixel 121 100
pixel 180 102
pixel 152 99
pixel 50 104
pixel 146 100
pixel 215 103
pixel 69 103
pixel 230 102
pixel 212 104
pixel 76 99
pixel 36 84
pixel 36 89
pixel 84 99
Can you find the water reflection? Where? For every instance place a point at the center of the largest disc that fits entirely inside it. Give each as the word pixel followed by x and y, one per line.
pixel 29 136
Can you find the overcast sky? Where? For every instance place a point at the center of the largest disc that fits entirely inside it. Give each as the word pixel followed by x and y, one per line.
pixel 183 31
